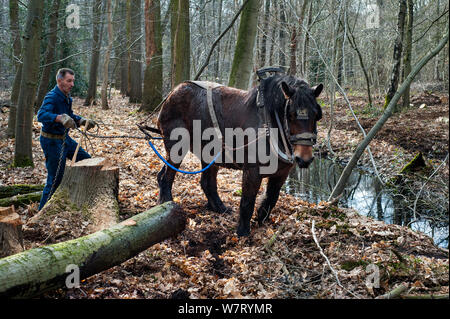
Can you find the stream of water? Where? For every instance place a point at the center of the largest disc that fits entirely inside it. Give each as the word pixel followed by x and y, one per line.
pixel 365 194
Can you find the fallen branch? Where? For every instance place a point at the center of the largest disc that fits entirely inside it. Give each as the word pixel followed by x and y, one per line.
pixel 12 190
pixel 395 293
pixel 273 238
pixel 35 271
pixel 21 200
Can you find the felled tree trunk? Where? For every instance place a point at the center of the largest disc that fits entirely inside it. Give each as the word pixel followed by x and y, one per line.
pixel 21 200
pixel 12 190
pixel 87 195
pixel 11 240
pixel 35 271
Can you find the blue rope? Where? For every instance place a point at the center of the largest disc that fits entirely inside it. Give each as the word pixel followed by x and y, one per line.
pixel 178 170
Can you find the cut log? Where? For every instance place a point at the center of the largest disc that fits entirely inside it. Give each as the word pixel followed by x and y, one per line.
pixel 35 271
pixel 87 195
pixel 11 240
pixel 12 190
pixel 21 200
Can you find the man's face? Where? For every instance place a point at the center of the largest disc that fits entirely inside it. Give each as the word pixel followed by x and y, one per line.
pixel 66 83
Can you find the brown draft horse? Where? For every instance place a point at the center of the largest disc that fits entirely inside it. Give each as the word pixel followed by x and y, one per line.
pixel 287 100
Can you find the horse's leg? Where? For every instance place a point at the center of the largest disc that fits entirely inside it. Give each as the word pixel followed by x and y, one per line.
pixel 272 193
pixel 166 177
pixel 251 181
pixel 209 186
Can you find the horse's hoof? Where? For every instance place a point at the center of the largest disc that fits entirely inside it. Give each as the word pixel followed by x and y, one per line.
pixel 262 218
pixel 243 232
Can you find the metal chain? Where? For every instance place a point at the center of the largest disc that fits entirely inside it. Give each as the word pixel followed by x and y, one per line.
pixel 61 156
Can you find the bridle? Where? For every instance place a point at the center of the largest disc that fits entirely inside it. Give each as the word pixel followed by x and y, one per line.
pixel 288 140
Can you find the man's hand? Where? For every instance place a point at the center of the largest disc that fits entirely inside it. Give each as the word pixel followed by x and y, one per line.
pixel 66 121
pixel 88 123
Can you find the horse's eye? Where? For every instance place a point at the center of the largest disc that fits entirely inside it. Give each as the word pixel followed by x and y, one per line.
pixel 302 114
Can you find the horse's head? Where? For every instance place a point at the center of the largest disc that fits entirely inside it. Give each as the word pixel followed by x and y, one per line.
pixel 301 114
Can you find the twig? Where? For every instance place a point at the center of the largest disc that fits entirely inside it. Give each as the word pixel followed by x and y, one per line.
pixel 394 293
pixel 421 189
pixel 205 64
pixel 273 238
pixel 328 261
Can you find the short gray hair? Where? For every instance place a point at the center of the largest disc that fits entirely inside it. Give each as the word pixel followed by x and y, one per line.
pixel 62 73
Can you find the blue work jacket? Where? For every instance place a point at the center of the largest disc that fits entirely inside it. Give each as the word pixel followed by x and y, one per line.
pixel 55 103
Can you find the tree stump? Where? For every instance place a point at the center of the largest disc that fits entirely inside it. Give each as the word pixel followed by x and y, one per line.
pixel 85 201
pixel 11 240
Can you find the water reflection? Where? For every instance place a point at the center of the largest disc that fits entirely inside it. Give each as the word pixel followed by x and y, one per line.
pixel 365 193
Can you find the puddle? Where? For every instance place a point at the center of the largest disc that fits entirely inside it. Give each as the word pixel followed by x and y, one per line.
pixel 365 194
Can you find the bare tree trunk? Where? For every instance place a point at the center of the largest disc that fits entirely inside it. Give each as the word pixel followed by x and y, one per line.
pixel 389 110
pixel 243 55
pixel 181 42
pixel 408 50
pixel 265 30
pixel 95 56
pixel 49 54
pixel 352 41
pixel 17 52
pixel 23 155
pixel 104 89
pixel 219 31
pixel 153 78
pixel 304 63
pixel 282 35
pixel 294 41
pixel 121 47
pixel 398 47
pixel 135 65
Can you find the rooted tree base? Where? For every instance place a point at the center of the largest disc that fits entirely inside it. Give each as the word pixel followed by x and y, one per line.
pixel 11 241
pixel 85 202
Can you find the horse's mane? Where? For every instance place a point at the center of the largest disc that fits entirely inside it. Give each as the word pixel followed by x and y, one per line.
pixel 274 98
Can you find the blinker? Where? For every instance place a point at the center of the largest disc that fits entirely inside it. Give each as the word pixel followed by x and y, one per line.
pixel 302 114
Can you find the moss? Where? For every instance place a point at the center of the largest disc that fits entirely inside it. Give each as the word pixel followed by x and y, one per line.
pixel 22 161
pixel 414 165
pixel 349 265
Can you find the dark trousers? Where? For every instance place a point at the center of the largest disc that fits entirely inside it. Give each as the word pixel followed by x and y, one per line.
pixel 52 151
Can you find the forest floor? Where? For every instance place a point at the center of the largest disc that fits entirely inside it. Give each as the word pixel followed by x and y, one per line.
pixel 207 260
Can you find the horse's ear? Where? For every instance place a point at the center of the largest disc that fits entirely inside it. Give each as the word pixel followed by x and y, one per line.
pixel 317 89
pixel 287 90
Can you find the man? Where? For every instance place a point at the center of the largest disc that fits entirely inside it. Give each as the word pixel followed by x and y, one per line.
pixel 57 119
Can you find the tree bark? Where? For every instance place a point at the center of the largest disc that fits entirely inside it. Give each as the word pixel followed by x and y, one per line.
pixel 12 190
pixel 11 239
pixel 135 65
pixel 104 90
pixel 294 39
pixel 265 30
pixel 95 56
pixel 352 41
pixel 398 47
pixel 21 200
pixel 17 52
pixel 339 188
pixel 181 41
pixel 49 53
pixel 23 155
pixel 408 50
pixel 153 77
pixel 35 271
pixel 241 69
pixel 11 132
pixel 90 185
